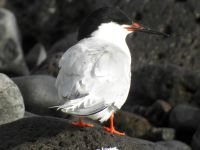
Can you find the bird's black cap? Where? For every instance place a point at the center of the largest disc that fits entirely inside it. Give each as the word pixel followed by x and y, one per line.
pixel 102 15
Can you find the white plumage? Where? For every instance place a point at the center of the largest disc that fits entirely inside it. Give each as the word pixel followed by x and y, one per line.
pixel 94 76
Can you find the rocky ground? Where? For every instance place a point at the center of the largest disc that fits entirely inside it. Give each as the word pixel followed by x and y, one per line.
pixel 163 108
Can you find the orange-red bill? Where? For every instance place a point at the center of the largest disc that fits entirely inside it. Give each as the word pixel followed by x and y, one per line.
pixel 135 27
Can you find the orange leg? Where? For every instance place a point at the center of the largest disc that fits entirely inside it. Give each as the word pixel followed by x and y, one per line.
pixel 81 123
pixel 112 128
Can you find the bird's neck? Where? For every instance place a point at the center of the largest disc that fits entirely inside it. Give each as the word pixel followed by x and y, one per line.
pixel 114 34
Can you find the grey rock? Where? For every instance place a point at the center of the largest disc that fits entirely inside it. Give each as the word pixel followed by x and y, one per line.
pixel 11 55
pixel 175 145
pixel 11 101
pixel 185 117
pixel 160 134
pixel 53 133
pixel 36 56
pixel 39 93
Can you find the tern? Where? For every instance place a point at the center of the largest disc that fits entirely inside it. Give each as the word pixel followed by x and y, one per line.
pixel 95 74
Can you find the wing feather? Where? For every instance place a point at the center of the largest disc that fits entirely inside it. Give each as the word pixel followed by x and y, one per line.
pixel 89 76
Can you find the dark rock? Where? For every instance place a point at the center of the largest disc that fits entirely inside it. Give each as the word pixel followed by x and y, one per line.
pixel 11 55
pixel 160 134
pixel 182 46
pixel 196 140
pixel 169 83
pixel 185 119
pixel 175 145
pixel 134 125
pixel 36 56
pixel 11 101
pixel 157 113
pixel 53 133
pixel 50 65
pixel 39 93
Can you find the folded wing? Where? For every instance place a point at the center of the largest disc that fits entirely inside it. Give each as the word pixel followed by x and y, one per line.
pixel 90 78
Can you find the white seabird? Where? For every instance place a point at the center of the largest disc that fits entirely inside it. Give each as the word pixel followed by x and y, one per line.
pixel 95 74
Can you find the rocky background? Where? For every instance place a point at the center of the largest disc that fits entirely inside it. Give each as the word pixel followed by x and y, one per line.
pixel 163 108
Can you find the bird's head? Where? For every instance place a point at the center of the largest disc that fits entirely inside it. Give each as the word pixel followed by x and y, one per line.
pixel 111 21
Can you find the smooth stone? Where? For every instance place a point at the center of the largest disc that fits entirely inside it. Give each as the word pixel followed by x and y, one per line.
pixel 11 101
pixel 11 55
pixel 39 93
pixel 185 117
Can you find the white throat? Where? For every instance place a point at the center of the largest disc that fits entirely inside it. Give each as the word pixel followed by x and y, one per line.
pixel 113 33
